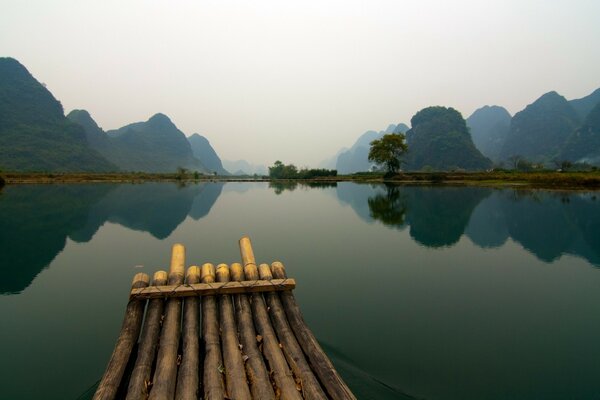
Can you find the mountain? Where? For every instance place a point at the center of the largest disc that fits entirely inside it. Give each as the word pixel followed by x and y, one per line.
pixel 153 146
pixel 439 139
pixel 356 159
pixel 585 105
pixel 34 133
pixel 96 137
pixel 539 131
pixel 243 167
pixel 330 162
pixel 203 151
pixel 489 126
pixel 583 145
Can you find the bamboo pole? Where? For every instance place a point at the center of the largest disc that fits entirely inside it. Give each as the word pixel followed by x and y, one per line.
pixel 311 389
pixel 258 377
pixel 332 382
pixel 130 330
pixel 281 373
pixel 213 363
pixel 235 374
pixel 165 375
pixel 187 377
pixel 140 377
pixel 204 289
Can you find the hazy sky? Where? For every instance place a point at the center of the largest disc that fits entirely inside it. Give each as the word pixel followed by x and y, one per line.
pixel 297 80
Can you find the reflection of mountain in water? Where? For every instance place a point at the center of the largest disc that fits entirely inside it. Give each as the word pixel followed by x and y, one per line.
pixel 547 224
pixel 35 220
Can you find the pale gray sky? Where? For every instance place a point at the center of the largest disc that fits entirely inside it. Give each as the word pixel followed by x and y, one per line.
pixel 297 80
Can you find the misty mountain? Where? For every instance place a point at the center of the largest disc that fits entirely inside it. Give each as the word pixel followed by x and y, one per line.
pixel 539 131
pixel 356 159
pixel 34 133
pixel 155 145
pixel 583 145
pixel 243 167
pixel 203 151
pixel 489 127
pixel 439 139
pixel 330 162
pixel 585 105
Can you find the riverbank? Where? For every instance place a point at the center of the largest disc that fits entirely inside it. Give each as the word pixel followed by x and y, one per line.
pixel 550 179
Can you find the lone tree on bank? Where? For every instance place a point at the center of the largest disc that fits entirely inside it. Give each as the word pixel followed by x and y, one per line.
pixel 388 150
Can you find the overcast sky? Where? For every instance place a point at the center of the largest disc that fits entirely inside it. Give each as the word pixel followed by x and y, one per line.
pixel 297 80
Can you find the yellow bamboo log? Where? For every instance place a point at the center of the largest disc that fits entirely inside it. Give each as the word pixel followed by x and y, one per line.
pixel 213 360
pixel 235 374
pixel 165 375
pixel 257 374
pixel 140 377
pixel 281 373
pixel 311 389
pixel 187 377
pixel 130 330
pixel 335 387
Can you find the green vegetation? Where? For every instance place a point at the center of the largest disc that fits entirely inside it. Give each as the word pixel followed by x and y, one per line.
pixel 34 133
pixel 584 143
pixel 539 131
pixel 489 126
pixel 439 139
pixel 280 170
pixel 388 151
pixel 202 150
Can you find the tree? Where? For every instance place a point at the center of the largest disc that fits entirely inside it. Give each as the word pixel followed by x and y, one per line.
pixel 388 150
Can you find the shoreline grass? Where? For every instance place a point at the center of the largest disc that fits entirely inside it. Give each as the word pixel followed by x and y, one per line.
pixel 543 179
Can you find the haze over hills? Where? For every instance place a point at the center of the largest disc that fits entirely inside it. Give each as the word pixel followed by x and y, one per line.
pixel 489 126
pixel 439 140
pixel 202 150
pixel 34 133
pixel 356 159
pixel 243 167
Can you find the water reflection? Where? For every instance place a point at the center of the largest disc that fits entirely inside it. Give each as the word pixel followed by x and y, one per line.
pixel 547 224
pixel 35 220
pixel 281 186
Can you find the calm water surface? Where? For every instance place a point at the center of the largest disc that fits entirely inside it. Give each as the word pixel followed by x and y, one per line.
pixel 414 292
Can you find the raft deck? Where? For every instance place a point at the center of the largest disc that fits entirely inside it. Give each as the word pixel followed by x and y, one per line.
pixel 230 332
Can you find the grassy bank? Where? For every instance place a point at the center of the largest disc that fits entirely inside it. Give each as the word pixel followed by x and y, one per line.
pixel 550 179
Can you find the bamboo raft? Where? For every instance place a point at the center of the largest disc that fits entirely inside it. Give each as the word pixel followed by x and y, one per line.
pixel 230 332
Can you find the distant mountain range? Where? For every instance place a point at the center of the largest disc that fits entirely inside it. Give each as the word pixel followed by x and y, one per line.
pixel 35 135
pixel 243 167
pixel 550 129
pixel 355 159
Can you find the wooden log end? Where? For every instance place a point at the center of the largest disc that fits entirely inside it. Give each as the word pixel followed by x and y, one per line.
pixel 177 260
pixel 159 278
pixel 193 274
pixel 237 272
pixel 278 270
pixel 251 272
pixel 140 278
pixel 207 274
pixel 222 273
pixel 264 271
pixel 246 251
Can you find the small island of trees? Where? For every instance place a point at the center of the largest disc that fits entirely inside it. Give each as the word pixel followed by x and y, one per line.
pixel 280 170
